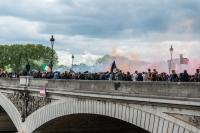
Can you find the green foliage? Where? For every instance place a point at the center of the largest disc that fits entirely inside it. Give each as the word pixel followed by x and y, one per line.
pixel 17 56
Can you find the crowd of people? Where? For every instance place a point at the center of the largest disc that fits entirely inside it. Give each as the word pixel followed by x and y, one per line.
pixel 117 75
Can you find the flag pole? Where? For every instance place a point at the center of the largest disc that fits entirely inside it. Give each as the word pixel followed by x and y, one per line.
pixel 171 52
pixel 181 62
pixel 180 68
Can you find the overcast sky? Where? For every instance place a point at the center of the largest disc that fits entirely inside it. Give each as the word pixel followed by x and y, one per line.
pixel 140 29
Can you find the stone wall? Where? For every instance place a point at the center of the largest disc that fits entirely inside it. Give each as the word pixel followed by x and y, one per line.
pixel 160 89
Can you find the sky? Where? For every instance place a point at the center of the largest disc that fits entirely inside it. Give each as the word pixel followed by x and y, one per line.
pixel 137 29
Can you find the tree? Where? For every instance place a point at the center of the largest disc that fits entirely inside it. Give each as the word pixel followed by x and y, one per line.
pixel 17 56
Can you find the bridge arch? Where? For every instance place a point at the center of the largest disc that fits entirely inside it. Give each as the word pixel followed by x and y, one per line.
pixel 88 123
pixel 140 118
pixel 12 112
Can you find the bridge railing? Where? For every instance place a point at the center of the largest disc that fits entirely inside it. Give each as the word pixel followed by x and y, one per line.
pixel 9 82
pixel 158 89
pixel 168 89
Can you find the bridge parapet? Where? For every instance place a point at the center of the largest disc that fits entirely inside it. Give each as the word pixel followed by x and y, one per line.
pixel 165 89
pixel 9 82
pixel 157 89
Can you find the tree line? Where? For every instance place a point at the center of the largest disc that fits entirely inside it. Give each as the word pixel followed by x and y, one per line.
pixel 16 56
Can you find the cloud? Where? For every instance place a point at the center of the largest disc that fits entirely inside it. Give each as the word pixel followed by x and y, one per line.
pixel 91 28
pixel 95 18
pixel 65 58
pixel 16 29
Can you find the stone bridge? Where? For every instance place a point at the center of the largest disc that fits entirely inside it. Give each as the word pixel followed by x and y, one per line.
pixel 157 107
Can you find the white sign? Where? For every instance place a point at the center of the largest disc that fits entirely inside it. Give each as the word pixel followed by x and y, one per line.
pixel 43 91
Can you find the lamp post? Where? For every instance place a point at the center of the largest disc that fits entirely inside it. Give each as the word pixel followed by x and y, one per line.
pixel 72 61
pixel 171 52
pixel 52 40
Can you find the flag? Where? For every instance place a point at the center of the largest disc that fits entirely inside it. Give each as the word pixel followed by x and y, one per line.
pixel 45 67
pixel 113 66
pixel 183 60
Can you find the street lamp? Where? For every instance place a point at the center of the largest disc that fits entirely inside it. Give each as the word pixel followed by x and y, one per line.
pixel 52 40
pixel 171 52
pixel 72 61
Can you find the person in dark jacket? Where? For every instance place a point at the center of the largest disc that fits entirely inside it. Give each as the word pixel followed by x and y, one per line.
pixel 197 76
pixel 185 76
pixel 140 77
pixel 174 76
pixel 154 75
pixel 128 77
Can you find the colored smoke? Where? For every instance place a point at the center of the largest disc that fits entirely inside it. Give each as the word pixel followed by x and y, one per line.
pixel 132 62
